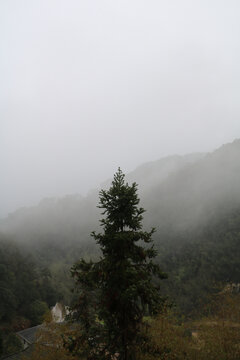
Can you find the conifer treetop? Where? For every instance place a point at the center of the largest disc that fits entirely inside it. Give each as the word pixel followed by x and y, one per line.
pixel 120 204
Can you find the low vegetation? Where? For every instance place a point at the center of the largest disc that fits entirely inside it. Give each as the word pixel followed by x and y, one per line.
pixel 215 336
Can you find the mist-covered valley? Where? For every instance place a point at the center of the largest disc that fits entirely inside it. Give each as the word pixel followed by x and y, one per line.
pixel 193 201
pixel 88 88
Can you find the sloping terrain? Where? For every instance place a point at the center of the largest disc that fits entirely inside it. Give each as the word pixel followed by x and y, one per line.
pixel 192 201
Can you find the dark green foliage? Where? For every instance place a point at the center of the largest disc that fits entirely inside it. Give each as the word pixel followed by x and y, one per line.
pixel 1 343
pixel 21 284
pixel 118 290
pixel 12 344
pixel 9 343
pixel 207 258
pixel 36 312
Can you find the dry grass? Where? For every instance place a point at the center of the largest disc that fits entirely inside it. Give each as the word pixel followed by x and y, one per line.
pixel 215 337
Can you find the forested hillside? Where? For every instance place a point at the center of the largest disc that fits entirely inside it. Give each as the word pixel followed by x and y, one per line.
pixel 193 202
pixel 27 291
pixel 25 287
pixel 197 193
pixel 205 261
pixel 73 217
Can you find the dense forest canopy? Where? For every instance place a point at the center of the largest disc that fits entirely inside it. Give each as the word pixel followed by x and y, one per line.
pixel 25 287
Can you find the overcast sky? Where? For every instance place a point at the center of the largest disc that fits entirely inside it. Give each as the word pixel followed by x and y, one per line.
pixel 90 85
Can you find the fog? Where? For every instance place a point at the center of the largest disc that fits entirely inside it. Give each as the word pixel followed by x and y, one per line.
pixel 87 86
pixel 180 193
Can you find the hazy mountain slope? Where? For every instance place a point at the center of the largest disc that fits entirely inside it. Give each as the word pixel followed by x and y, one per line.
pixel 196 269
pixel 194 202
pixel 153 173
pixel 178 192
pixel 197 192
pixel 74 217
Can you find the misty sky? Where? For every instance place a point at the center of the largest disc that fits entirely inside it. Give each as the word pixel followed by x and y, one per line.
pixel 90 85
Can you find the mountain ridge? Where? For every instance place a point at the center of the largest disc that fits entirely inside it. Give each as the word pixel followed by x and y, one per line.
pixel 175 190
pixel 194 206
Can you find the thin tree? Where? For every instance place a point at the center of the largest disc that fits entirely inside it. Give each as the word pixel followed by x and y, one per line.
pixel 118 290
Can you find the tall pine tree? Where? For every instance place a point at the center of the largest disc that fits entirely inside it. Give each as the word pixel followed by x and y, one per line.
pixel 118 290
